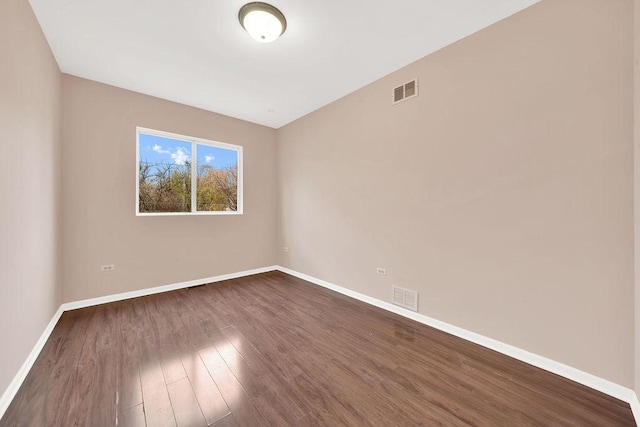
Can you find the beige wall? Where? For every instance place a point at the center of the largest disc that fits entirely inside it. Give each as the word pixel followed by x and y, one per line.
pixel 503 193
pixel 100 226
pixel 29 185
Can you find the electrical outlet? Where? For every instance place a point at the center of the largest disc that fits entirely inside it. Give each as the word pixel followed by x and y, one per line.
pixel 286 249
pixel 108 267
pixel 381 271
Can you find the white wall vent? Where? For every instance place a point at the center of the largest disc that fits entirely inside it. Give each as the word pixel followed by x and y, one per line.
pixel 405 91
pixel 405 298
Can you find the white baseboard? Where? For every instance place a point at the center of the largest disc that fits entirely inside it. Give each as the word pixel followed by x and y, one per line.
pixel 589 380
pixel 159 289
pixel 635 407
pixel 605 386
pixel 17 381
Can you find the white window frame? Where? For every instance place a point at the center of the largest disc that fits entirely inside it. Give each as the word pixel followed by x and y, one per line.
pixel 194 172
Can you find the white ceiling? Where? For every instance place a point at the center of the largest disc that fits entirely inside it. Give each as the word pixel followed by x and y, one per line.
pixel 195 52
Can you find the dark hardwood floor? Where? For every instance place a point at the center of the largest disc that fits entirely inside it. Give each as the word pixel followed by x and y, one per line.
pixel 274 350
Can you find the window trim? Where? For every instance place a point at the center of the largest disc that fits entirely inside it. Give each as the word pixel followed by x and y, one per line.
pixel 194 172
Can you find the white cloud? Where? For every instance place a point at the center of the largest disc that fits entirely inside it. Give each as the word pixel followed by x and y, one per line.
pixel 158 149
pixel 208 159
pixel 180 157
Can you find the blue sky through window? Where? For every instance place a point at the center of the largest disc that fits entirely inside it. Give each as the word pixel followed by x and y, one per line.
pixel 158 149
pixel 216 157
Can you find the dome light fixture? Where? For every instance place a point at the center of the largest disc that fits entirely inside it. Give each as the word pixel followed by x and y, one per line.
pixel 263 22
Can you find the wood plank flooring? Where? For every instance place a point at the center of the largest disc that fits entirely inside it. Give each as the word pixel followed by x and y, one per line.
pixel 273 350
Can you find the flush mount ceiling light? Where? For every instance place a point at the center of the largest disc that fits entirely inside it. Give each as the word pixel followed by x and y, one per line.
pixel 263 22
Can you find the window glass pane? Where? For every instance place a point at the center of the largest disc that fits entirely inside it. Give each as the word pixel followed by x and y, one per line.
pixel 217 179
pixel 164 174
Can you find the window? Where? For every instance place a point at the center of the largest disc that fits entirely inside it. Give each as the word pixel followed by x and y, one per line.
pixel 181 175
